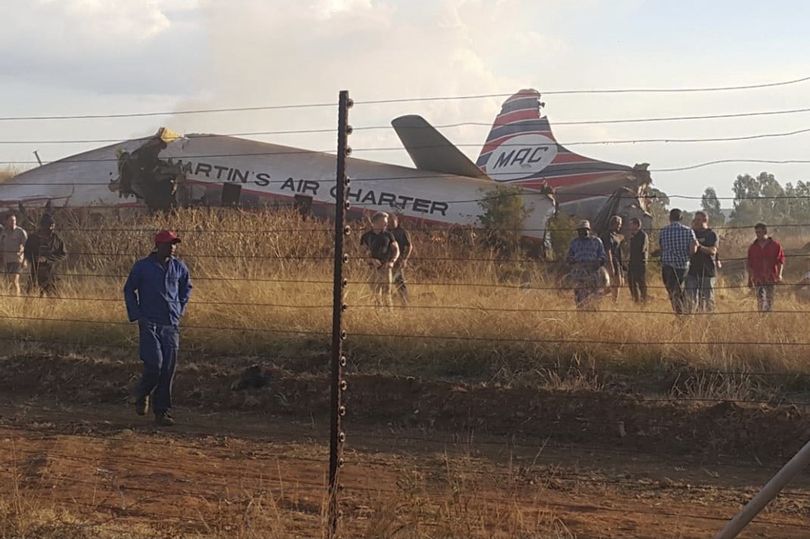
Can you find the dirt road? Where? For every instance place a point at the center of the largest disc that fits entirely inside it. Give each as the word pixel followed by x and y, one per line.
pixel 74 470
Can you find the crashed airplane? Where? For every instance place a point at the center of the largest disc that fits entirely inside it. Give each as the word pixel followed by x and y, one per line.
pixel 445 187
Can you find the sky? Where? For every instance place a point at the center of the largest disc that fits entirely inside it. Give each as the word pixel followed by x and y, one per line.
pixel 69 57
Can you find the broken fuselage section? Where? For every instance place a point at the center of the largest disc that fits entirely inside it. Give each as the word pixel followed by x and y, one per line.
pixel 157 182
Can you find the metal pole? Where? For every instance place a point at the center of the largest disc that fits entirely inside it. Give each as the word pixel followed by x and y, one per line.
pixel 338 384
pixel 795 465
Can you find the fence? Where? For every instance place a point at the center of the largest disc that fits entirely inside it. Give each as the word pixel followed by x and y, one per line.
pixel 476 316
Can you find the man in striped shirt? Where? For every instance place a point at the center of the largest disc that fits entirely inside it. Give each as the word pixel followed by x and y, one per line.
pixel 586 256
pixel 678 243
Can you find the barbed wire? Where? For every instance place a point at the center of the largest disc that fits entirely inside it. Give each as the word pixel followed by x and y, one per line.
pixel 482 284
pixel 446 227
pixel 417 307
pixel 434 336
pixel 363 257
pixel 249 329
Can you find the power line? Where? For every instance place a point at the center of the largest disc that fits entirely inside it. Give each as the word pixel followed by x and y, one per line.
pixel 167 113
pixel 400 100
pixel 726 161
pixel 428 127
pixel 465 145
pixel 593 91
pixel 599 142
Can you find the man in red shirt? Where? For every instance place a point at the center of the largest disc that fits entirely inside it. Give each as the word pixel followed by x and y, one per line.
pixel 766 259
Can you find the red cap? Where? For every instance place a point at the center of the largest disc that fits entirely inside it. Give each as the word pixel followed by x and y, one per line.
pixel 166 236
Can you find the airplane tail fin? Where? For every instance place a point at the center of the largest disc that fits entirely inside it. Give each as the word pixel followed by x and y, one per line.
pixel 522 149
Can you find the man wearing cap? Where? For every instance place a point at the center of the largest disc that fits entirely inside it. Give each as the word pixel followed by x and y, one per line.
pixel 587 257
pixel 156 295
pixel 678 243
pixel 44 249
pixel 383 254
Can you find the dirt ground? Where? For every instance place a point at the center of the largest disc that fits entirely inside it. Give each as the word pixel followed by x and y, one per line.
pixel 425 459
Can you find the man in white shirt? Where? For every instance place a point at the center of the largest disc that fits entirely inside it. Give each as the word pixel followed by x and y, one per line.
pixel 12 243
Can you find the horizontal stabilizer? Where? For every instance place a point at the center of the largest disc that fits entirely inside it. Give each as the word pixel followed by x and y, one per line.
pixel 430 150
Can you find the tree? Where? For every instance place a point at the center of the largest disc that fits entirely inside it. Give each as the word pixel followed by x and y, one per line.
pixel 759 199
pixel 711 205
pixel 504 213
pixel 658 207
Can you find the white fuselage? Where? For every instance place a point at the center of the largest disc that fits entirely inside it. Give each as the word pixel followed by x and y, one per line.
pixel 268 171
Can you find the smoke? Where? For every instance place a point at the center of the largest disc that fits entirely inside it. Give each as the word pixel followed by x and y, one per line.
pixel 279 52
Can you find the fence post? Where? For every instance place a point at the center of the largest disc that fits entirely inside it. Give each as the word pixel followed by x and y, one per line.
pixel 338 385
pixel 795 465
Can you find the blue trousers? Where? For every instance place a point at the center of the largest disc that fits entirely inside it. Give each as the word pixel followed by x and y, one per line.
pixel 158 349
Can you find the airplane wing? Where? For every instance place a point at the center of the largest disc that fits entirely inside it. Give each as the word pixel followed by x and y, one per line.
pixel 430 150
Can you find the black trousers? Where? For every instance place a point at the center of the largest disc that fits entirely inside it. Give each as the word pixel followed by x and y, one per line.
pixel 43 279
pixel 674 280
pixel 637 281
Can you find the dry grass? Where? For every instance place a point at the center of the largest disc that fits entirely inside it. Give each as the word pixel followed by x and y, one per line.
pixel 444 500
pixel 240 257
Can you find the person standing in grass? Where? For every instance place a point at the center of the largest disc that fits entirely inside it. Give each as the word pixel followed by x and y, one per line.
pixel 43 252
pixel 156 294
pixel 765 263
pixel 405 249
pixel 637 265
pixel 678 243
pixel 12 241
pixel 612 241
pixel 383 253
pixel 702 267
pixel 587 258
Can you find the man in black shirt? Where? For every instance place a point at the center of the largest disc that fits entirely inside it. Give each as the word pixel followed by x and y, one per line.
pixel 637 266
pixel 405 249
pixel 383 254
pixel 43 251
pixel 612 241
pixel 702 267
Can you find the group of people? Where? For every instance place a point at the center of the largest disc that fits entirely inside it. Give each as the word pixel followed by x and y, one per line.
pixel 158 288
pixel 389 247
pixel 689 263
pixel 40 251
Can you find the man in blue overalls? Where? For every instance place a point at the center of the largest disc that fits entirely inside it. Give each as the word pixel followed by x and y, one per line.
pixel 156 293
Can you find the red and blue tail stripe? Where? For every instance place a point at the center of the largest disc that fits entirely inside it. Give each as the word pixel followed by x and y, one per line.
pixel 522 149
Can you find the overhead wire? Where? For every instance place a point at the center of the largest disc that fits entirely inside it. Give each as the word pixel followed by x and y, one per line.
pixel 330 151
pixel 294 106
pixel 781 112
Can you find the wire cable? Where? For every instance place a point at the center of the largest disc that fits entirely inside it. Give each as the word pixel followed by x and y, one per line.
pixel 428 127
pixel 404 100
pixel 593 91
